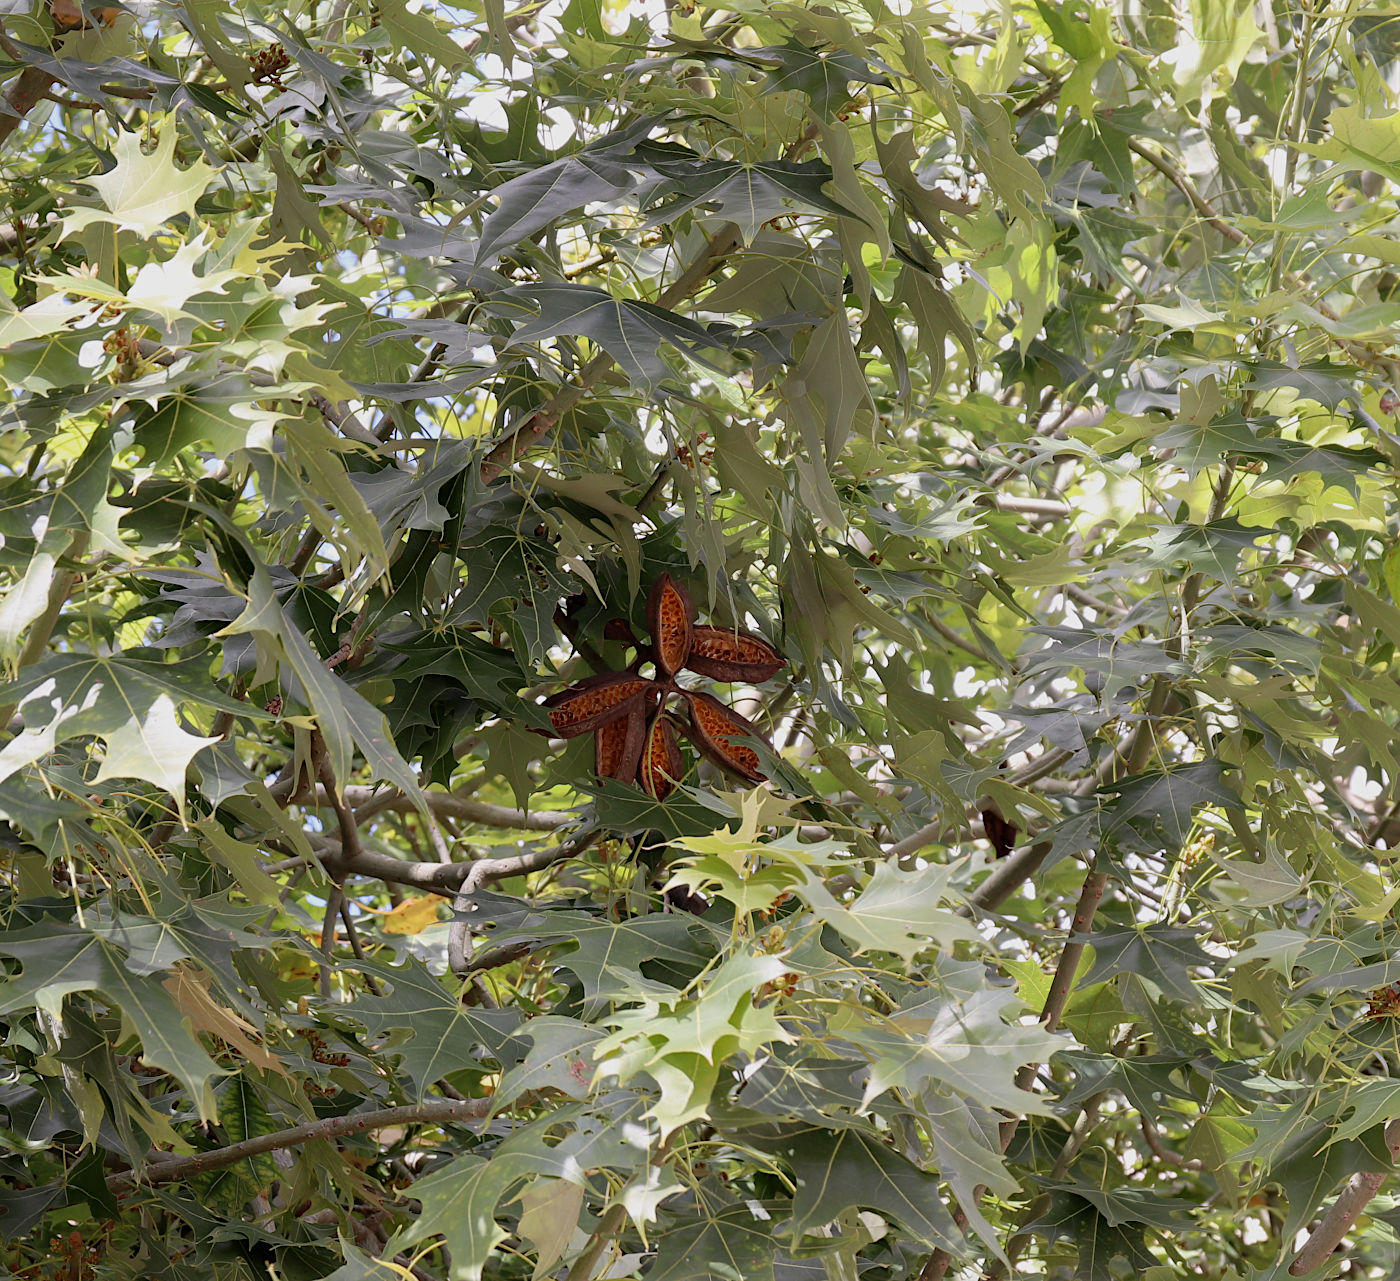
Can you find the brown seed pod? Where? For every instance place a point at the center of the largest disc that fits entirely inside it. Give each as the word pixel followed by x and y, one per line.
pixel 597 700
pixel 719 733
pixel 726 655
pixel 1001 833
pixel 661 758
pixel 669 614
pixel 617 746
pixel 619 629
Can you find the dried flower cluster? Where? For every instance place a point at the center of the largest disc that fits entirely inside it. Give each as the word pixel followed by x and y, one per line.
pixel 628 714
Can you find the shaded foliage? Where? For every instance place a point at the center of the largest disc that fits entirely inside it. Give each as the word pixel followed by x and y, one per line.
pixel 1011 392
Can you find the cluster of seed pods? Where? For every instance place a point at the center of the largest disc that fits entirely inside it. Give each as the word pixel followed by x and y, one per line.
pixel 630 715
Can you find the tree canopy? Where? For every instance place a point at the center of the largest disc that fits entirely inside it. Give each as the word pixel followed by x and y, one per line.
pixel 742 643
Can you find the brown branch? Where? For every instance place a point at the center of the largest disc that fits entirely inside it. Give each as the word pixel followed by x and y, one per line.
pixel 1013 872
pixel 28 90
pixel 1046 508
pixel 1188 189
pixel 345 818
pixel 609 1227
pixel 657 487
pixel 335 1127
pixel 495 957
pixel 444 877
pixel 1056 1000
pixel 73 104
pixel 1164 1154
pixel 943 830
pixel 486 870
pixel 1346 1209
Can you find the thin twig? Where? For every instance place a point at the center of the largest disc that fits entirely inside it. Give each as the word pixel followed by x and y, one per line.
pixel 355 945
pixel 333 901
pixel 1010 874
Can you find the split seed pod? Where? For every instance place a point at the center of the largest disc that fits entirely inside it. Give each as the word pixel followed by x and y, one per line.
pixel 595 701
pixel 725 655
pixel 719 733
pixel 617 746
pixel 669 615
pixel 661 764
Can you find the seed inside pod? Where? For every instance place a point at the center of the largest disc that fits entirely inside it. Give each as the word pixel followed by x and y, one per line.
pixel 617 746
pixel 661 764
pixel 720 732
pixel 595 701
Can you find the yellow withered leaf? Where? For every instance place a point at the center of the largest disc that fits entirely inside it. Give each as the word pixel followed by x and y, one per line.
pixel 412 916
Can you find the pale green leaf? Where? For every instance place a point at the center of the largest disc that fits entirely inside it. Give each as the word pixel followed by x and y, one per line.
pixel 143 190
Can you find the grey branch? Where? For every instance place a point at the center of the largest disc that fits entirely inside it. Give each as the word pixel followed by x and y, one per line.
pixel 367 801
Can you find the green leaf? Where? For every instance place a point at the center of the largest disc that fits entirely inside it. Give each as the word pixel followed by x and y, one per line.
pixel 58 960
pixel 360 1267
pixel 549 1211
pixel 726 1243
pixel 746 194
pixel 526 204
pixel 898 911
pixel 963 1045
pixel 854 1169
pixel 459 1203
pixel 193 410
pixel 1196 447
pixel 608 957
pixel 347 721
pixel 680 1043
pixel 1097 1242
pixel 1216 42
pixel 415 31
pixel 1373 141
pixel 1270 881
pixel 1163 955
pixel 630 331
pixel 824 77
pixel 128 702
pixel 686 812
pixel 1165 801
pixel 426 1025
